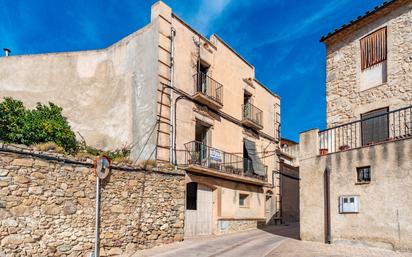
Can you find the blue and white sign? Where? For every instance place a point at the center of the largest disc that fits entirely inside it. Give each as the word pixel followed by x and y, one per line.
pixel 215 155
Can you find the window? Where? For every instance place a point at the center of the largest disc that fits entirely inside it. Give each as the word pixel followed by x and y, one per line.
pixel 277 122
pixel 373 48
pixel 191 196
pixel 202 77
pixel 252 164
pixel 243 200
pixel 375 126
pixel 349 204
pixel 364 174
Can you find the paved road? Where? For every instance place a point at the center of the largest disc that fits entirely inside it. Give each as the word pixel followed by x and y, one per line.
pixel 250 244
pixel 273 242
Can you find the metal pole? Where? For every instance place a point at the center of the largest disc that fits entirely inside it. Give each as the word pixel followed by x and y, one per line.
pixel 97 225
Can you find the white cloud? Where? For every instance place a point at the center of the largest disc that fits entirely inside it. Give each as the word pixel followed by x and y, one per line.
pixel 207 12
pixel 304 26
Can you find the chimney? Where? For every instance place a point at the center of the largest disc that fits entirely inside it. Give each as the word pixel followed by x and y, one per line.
pixel 6 51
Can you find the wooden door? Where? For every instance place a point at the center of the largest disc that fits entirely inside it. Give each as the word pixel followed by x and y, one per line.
pixel 375 126
pixel 198 221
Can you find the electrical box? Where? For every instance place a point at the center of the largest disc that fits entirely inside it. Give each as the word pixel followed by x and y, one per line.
pixel 349 204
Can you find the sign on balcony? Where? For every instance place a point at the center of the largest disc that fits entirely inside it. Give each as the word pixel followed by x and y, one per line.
pixel 215 155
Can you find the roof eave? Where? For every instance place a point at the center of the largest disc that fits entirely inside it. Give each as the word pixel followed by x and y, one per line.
pixel 357 20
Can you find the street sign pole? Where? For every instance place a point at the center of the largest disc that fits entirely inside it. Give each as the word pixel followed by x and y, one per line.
pixel 102 170
pixel 97 225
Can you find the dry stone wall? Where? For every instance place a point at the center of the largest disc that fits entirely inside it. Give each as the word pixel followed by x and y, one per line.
pixel 47 208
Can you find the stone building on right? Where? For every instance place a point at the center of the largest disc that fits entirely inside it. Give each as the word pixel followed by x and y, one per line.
pixel 356 175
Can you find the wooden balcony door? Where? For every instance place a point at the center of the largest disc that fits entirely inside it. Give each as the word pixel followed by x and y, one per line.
pixel 375 126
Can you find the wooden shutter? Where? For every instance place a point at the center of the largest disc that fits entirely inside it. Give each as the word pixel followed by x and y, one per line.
pixel 375 126
pixel 373 48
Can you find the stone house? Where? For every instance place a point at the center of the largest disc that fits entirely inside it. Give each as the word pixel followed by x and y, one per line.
pixel 174 96
pixel 355 175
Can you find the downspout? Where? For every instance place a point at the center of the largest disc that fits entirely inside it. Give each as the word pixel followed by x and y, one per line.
pixel 175 127
pixel 172 71
pixel 328 230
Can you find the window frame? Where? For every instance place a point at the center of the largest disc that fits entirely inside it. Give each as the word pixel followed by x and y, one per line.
pixel 362 180
pixel 348 201
pixel 365 51
pixel 373 118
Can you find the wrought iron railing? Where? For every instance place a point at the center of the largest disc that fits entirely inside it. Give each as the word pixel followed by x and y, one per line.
pixel 251 112
pixel 389 126
pixel 209 87
pixel 200 154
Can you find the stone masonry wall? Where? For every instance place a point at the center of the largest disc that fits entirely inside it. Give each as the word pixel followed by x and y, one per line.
pixel 345 100
pixel 230 226
pixel 47 208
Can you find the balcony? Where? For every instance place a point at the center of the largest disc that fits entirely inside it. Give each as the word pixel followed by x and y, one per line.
pixel 208 91
pixel 203 159
pixel 252 116
pixel 385 127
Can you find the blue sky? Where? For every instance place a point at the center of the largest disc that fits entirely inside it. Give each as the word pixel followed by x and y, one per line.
pixel 279 37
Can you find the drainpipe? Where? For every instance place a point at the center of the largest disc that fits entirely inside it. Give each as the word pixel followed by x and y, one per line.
pixel 328 230
pixel 172 71
pixel 175 126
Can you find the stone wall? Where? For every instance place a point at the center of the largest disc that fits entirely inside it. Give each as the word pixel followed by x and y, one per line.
pixel 345 98
pixel 385 205
pixel 47 208
pixel 226 226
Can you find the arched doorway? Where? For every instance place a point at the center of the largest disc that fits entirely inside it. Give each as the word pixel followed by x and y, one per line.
pixel 199 210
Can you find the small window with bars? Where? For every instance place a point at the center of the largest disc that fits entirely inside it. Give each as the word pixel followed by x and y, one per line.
pixel 364 174
pixel 373 48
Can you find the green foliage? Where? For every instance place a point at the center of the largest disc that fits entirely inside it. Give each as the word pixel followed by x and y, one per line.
pixel 40 125
pixel 12 114
pixel 118 155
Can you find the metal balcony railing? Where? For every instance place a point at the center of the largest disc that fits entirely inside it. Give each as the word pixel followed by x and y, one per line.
pixel 209 87
pixel 385 127
pixel 200 154
pixel 252 113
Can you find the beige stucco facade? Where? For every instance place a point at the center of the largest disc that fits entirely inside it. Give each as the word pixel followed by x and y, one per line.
pixel 225 131
pixel 105 94
pixel 125 95
pixel 338 202
pixel 385 205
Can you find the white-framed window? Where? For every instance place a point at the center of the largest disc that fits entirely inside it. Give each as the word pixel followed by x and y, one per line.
pixel 349 204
